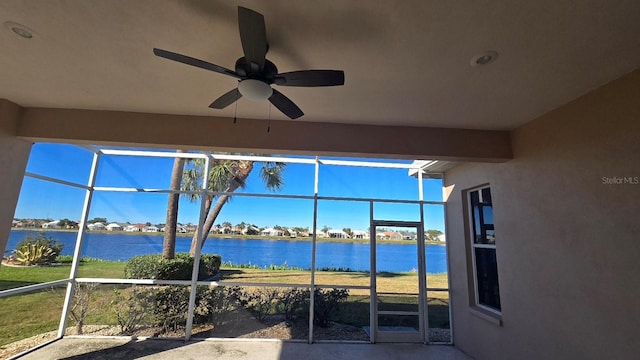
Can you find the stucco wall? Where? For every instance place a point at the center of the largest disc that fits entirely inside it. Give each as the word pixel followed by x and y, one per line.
pixel 14 154
pixel 568 245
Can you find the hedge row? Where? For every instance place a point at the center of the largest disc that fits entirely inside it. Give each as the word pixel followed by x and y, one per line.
pixel 179 268
pixel 167 306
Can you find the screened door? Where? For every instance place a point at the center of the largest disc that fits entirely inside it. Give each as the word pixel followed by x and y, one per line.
pixel 398 310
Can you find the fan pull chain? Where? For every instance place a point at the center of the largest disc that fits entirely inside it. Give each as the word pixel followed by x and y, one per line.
pixel 235 113
pixel 269 123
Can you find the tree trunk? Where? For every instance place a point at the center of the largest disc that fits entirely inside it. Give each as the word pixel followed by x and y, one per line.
pixel 208 224
pixel 169 244
pixel 240 178
pixel 205 230
pixel 79 325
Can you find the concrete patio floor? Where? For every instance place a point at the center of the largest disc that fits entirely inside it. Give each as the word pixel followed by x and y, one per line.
pixel 125 348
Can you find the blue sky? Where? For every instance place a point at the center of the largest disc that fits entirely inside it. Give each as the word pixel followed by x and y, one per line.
pixel 42 199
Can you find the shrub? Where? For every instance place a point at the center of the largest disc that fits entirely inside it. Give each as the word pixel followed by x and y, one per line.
pixel 229 264
pixel 179 268
pixel 216 304
pixel 170 307
pixel 264 301
pixel 81 304
pixel 327 305
pixel 210 263
pixel 131 306
pixel 66 259
pixel 32 254
pixel 259 301
pixel 38 250
pixel 291 302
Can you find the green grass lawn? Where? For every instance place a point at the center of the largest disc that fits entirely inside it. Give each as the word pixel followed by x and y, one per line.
pixel 34 313
pixel 11 277
pixel 30 314
pixel 26 315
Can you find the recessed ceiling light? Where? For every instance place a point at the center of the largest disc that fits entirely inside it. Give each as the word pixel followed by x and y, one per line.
pixel 19 29
pixel 484 58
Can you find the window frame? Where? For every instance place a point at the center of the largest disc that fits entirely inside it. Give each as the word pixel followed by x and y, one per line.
pixel 473 245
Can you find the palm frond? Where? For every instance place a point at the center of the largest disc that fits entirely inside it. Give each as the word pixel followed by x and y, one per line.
pixel 221 174
pixel 192 178
pixel 228 175
pixel 271 175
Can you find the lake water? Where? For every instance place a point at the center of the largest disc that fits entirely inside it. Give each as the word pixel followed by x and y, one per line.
pixel 261 252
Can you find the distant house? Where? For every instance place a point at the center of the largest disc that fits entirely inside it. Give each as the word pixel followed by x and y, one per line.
pixel 319 234
pixel 180 229
pixel 134 227
pixel 389 235
pixel 150 228
pixel 31 223
pixel 51 225
pixel 408 236
pixel 96 226
pixel 360 234
pixel 293 233
pixel 251 230
pixel 338 234
pixel 114 227
pixel 304 233
pixel 131 228
pixel 272 232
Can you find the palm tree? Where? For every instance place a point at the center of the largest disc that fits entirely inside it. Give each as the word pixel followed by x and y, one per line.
pixel 432 235
pixel 225 176
pixel 169 243
pixel 348 231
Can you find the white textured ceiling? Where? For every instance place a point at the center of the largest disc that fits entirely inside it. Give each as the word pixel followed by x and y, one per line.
pixel 406 62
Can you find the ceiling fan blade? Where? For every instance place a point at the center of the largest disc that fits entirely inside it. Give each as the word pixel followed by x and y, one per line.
pixel 253 35
pixel 285 105
pixel 311 78
pixel 226 99
pixel 194 62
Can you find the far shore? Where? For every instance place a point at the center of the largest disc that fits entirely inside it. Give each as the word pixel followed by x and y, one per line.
pixel 240 237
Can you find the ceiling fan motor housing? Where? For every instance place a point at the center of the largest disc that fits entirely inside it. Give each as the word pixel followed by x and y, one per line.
pixel 250 71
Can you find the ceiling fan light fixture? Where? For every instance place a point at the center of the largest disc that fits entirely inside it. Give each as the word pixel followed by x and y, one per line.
pixel 255 90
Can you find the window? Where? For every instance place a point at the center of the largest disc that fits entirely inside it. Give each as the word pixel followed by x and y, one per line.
pixel 483 250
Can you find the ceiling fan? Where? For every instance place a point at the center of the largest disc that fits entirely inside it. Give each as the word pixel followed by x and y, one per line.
pixel 255 73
